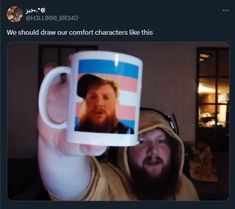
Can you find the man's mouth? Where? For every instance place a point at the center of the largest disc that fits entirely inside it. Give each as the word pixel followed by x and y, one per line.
pixel 99 112
pixel 153 161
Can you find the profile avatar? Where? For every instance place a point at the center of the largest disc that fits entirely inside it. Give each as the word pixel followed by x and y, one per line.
pixel 14 14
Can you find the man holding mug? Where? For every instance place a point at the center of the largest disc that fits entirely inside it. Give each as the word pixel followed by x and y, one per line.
pixel 150 170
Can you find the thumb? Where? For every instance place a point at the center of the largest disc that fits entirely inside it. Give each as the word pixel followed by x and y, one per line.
pixel 75 149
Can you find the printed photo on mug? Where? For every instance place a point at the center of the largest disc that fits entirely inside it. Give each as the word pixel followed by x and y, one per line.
pixel 104 103
pixel 101 108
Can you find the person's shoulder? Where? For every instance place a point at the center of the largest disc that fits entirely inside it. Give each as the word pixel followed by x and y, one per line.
pixel 187 190
pixel 124 129
pixel 118 183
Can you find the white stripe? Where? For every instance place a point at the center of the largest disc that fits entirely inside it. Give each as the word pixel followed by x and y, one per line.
pixel 126 98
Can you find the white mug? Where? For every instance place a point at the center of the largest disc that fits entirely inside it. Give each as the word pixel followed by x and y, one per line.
pixel 104 98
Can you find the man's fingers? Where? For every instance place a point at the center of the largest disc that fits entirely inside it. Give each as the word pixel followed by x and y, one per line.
pixel 48 134
pixel 75 149
pixel 93 150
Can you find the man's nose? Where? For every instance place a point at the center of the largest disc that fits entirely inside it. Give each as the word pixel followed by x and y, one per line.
pixel 152 148
pixel 99 101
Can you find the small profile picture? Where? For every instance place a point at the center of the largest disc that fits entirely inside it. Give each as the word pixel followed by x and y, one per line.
pixel 98 110
pixel 14 14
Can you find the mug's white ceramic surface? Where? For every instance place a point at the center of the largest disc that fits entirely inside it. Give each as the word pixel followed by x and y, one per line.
pixel 104 98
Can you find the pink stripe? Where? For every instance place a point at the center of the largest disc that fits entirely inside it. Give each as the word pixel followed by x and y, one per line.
pixel 123 112
pixel 126 83
pixel 126 112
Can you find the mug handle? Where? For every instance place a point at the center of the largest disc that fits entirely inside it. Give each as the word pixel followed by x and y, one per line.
pixel 43 92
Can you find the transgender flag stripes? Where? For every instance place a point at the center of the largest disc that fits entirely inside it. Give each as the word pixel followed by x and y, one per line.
pixel 125 75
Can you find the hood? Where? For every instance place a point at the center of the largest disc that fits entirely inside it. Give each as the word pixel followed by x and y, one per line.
pixel 151 119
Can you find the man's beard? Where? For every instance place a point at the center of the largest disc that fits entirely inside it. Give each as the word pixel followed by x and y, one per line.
pixel 107 126
pixel 148 187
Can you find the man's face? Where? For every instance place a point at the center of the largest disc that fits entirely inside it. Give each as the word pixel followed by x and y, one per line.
pixel 101 103
pixel 152 155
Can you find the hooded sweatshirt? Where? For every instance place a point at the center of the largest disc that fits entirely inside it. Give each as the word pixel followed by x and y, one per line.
pixel 109 182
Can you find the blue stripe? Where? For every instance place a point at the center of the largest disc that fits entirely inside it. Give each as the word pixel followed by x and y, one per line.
pixel 108 67
pixel 129 123
pixel 76 122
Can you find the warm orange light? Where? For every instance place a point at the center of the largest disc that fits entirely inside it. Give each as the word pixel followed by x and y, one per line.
pixel 204 89
pixel 204 55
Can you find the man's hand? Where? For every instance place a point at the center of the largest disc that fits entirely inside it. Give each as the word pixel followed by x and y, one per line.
pixel 57 110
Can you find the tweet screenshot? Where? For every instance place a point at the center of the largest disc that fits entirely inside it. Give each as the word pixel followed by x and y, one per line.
pixel 117 104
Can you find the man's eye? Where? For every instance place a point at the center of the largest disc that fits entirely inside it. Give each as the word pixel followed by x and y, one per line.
pixel 106 97
pixel 141 140
pixel 161 141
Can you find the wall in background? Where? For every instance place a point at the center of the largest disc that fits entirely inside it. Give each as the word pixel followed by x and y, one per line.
pixel 22 87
